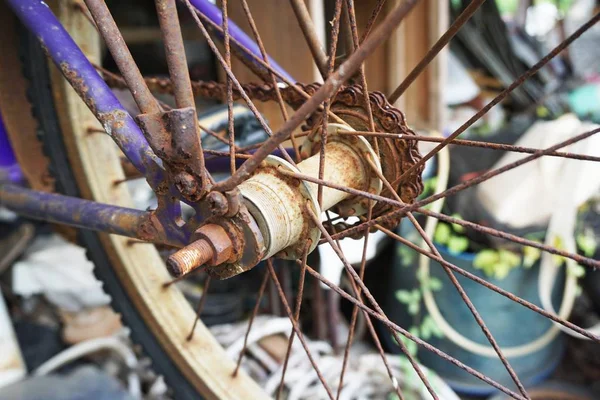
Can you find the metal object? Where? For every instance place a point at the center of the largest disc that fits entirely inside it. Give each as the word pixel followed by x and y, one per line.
pixel 327 90
pixel 278 201
pixel 246 46
pixel 120 53
pixel 87 214
pixel 90 86
pixel 312 39
pixel 345 163
pixel 397 156
pixel 212 246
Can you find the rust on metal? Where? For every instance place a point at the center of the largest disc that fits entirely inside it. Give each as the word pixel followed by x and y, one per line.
pixel 173 135
pixel 217 203
pixel 120 53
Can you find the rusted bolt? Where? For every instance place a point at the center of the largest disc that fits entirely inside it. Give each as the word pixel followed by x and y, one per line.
pixel 217 203
pixel 186 184
pixel 213 247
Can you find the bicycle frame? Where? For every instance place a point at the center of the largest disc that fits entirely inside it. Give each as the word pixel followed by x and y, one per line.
pixel 117 122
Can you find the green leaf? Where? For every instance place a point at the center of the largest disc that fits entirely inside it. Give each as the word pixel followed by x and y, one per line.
pixel 403 296
pixel 587 244
pixel 432 183
pixel 576 270
pixel 486 258
pixel 415 331
pixel 542 112
pixel 510 258
pixel 457 244
pixel 413 308
pixel 434 284
pixel 442 233
pixel 501 270
pixel 558 243
pixel 530 256
pixel 425 332
pixel 430 328
pixel 458 228
pixel 407 256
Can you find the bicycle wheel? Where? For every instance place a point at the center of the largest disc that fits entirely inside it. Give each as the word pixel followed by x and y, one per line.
pixel 375 174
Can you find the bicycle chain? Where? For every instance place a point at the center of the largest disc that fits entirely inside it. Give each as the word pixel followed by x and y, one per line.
pixel 396 155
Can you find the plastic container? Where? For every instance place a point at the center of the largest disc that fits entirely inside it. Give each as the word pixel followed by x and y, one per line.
pixel 511 324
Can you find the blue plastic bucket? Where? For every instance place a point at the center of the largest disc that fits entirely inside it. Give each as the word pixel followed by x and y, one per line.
pixel 511 324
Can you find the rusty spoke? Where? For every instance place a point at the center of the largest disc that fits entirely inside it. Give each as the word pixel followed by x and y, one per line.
pixel 355 279
pixel 299 296
pixel 471 143
pixel 529 73
pixel 513 238
pixel 471 307
pixel 263 52
pixel 249 103
pixel 458 287
pixel 353 319
pixel 489 285
pixel 483 177
pixel 295 327
pixel 361 71
pixel 333 83
pixel 402 211
pixel 229 98
pixel 435 49
pixel 392 326
pixel 113 39
pixel 190 335
pixel 371 22
pixel 335 32
pixel 310 34
pixel 261 292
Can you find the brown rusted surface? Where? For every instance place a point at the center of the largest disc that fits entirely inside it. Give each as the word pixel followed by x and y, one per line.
pixel 217 203
pixel 175 52
pixel 120 53
pixel 234 202
pixel 247 245
pixel 187 259
pixel 211 246
pixel 219 240
pixel 79 86
pixel 396 156
pixel 173 135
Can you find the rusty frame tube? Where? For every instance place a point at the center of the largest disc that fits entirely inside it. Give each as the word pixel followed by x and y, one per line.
pixel 176 59
pixel 123 58
pixel 87 214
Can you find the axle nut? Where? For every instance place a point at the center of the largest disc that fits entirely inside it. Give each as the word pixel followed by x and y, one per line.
pixel 212 247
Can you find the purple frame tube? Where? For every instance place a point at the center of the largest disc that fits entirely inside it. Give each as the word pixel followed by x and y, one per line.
pixel 213 13
pixel 117 122
pixel 90 86
pixel 9 167
pixel 84 214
